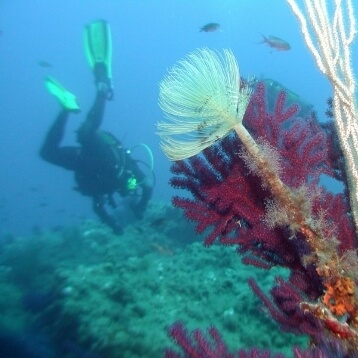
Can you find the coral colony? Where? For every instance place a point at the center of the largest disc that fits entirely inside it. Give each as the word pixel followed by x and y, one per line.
pixel 260 189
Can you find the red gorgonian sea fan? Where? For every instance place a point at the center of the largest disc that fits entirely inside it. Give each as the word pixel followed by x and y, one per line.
pixel 233 205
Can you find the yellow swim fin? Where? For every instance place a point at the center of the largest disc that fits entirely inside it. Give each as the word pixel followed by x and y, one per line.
pixel 98 48
pixel 67 99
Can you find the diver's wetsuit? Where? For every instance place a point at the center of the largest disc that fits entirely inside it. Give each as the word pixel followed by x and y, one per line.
pixel 101 165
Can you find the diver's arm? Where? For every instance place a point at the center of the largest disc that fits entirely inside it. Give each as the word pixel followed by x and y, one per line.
pixel 146 185
pixel 100 210
pixel 147 191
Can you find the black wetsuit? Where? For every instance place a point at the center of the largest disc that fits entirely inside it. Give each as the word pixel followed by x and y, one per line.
pixel 101 165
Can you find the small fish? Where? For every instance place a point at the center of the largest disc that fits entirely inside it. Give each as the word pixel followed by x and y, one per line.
pixel 276 43
pixel 210 27
pixel 162 249
pixel 44 64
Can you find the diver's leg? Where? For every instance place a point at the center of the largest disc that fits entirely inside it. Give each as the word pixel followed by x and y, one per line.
pixel 51 151
pixel 94 118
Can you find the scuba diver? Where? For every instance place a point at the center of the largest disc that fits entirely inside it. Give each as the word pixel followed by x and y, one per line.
pixel 101 165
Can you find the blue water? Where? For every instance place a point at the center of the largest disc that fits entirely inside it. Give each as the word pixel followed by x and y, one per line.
pixel 148 37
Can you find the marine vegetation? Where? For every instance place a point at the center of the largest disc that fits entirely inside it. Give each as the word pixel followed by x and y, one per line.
pixel 260 190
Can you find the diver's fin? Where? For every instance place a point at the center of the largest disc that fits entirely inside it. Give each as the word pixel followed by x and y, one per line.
pixel 98 48
pixel 67 99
